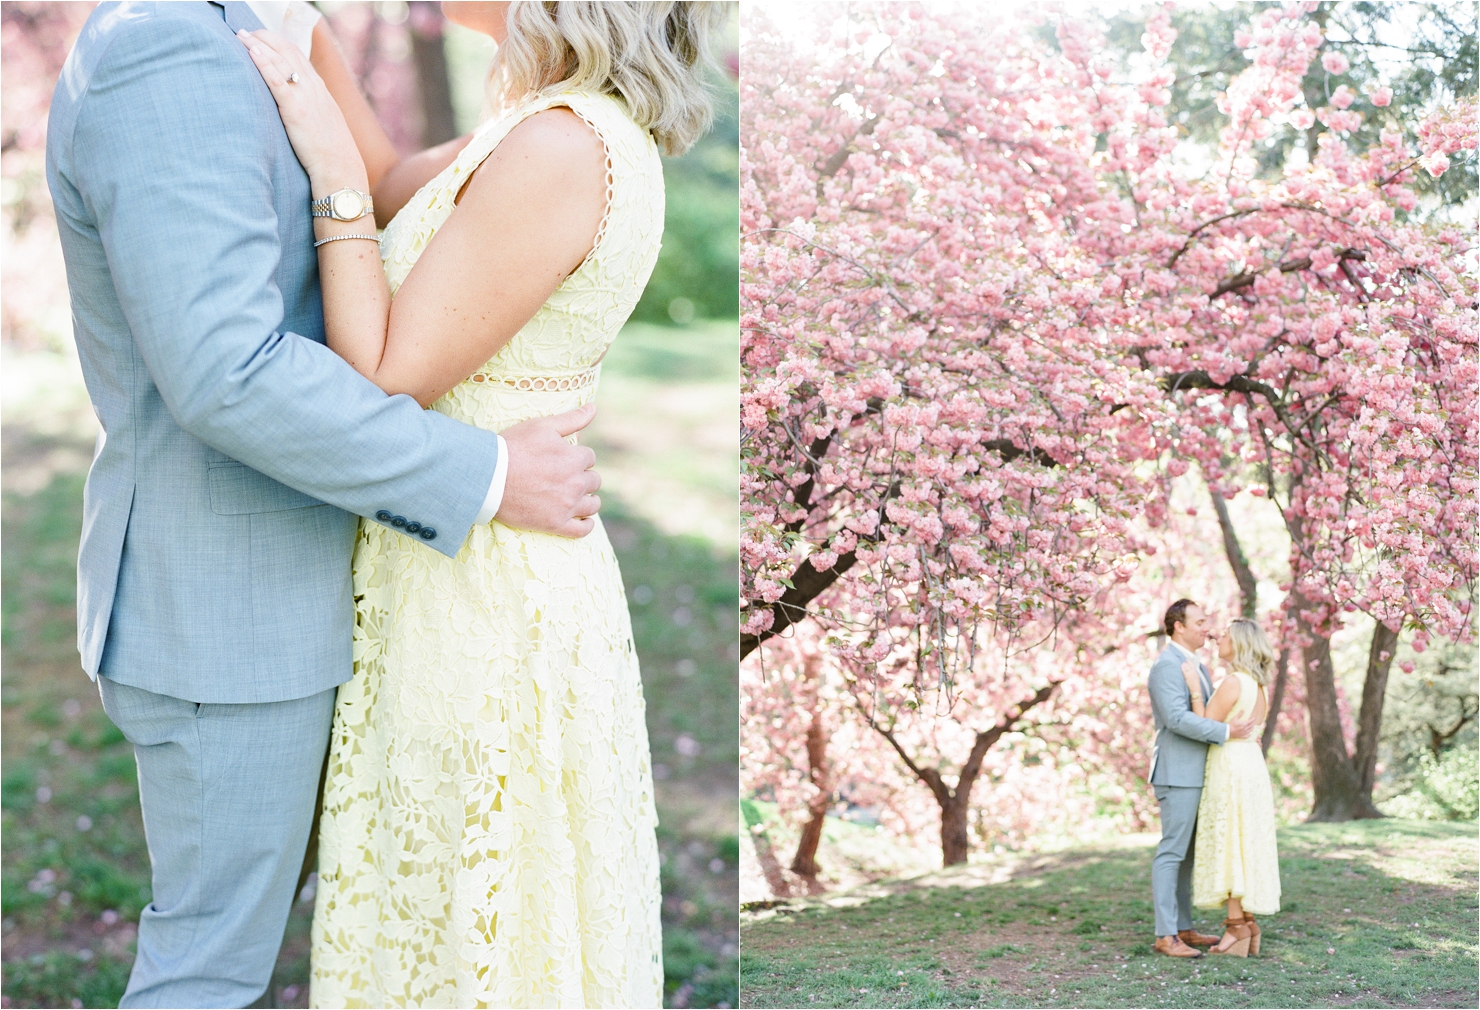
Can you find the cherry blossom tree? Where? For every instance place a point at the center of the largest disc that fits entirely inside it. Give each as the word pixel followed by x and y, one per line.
pixel 986 315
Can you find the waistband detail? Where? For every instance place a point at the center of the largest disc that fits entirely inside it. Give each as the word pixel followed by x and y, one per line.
pixel 539 383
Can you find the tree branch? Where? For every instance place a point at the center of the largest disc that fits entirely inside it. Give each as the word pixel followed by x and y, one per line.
pixel 929 776
pixel 985 741
pixel 1009 451
pixel 1243 280
pixel 1248 585
pixel 807 583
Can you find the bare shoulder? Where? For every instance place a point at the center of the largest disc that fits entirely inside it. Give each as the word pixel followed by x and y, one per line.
pixel 552 159
pixel 555 140
pixel 1229 687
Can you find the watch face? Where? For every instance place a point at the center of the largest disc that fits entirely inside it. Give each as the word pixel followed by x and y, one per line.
pixel 348 205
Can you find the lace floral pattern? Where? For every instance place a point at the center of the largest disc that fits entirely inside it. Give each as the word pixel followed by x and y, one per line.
pixel 488 827
pixel 1235 852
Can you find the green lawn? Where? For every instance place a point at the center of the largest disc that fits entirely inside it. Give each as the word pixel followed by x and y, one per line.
pixel 75 868
pixel 1376 913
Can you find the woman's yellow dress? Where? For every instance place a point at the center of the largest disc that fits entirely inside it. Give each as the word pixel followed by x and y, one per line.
pixel 1235 852
pixel 488 826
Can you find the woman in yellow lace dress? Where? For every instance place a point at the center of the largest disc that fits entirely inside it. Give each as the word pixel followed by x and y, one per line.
pixel 1236 860
pixel 487 836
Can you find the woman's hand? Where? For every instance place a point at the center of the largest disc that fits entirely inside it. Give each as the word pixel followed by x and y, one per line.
pixel 317 129
pixel 1190 674
pixel 1194 686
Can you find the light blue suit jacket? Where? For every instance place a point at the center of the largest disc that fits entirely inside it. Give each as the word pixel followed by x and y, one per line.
pixel 221 508
pixel 1182 737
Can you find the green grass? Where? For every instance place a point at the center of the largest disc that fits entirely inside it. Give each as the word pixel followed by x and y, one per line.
pixel 683 599
pixel 1376 913
pixel 71 895
pixel 72 887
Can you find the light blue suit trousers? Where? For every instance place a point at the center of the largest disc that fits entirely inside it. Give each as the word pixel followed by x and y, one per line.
pixel 227 793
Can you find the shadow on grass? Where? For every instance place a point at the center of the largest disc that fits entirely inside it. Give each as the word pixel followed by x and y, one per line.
pixel 1376 913
pixel 75 865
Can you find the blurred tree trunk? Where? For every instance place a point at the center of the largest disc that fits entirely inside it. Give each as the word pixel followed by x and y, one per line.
pixel 1248 585
pixel 804 864
pixel 437 121
pixel 1276 699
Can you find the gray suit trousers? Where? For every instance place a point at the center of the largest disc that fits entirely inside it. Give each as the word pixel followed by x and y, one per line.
pixel 228 794
pixel 1171 867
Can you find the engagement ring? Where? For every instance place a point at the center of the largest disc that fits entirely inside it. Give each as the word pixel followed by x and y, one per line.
pixel 293 77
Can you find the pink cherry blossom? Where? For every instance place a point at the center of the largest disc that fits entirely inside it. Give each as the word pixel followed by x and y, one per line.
pixel 988 318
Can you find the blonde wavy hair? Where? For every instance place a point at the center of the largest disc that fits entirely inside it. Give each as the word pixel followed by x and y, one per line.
pixel 652 55
pixel 1252 652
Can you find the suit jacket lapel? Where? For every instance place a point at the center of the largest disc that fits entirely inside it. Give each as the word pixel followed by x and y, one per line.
pixel 239 16
pixel 1206 679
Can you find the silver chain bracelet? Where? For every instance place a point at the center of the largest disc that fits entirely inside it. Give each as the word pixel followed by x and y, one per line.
pixel 341 238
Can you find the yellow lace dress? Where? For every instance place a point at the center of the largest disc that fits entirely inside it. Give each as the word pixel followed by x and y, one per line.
pixel 1235 855
pixel 488 827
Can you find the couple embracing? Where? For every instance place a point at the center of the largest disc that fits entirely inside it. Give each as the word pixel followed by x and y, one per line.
pixel 1207 768
pixel 279 537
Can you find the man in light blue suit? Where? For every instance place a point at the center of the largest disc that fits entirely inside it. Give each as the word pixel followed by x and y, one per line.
pixel 1177 759
pixel 214 596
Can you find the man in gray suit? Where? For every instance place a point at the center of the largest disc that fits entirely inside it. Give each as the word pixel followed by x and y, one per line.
pixel 215 606
pixel 1177 759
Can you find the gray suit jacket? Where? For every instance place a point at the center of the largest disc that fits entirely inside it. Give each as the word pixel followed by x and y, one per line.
pixel 220 511
pixel 1182 738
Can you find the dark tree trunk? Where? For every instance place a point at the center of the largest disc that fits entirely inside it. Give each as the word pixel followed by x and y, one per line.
pixel 804 863
pixel 437 121
pixel 1369 725
pixel 1248 585
pixel 955 840
pixel 1276 699
pixel 1333 773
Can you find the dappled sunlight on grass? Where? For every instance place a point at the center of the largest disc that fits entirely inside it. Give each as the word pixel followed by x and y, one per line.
pixel 1362 925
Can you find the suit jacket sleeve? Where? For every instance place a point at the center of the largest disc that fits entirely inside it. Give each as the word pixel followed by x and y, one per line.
pixel 173 160
pixel 1173 704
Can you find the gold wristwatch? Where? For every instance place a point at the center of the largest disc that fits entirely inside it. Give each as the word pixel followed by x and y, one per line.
pixel 343 205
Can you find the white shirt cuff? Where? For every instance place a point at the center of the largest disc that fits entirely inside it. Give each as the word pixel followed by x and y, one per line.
pixel 496 486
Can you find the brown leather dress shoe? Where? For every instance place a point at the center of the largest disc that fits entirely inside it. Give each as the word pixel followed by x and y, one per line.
pixel 1193 938
pixel 1173 946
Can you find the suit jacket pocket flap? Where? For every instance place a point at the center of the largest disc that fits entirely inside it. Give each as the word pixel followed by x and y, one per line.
pixel 237 489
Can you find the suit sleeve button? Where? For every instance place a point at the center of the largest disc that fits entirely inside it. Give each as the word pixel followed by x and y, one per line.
pixel 399 522
pixel 427 533
pixel 413 527
pixel 383 516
